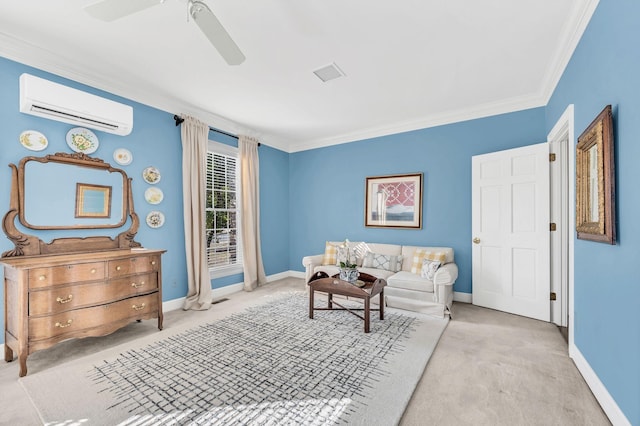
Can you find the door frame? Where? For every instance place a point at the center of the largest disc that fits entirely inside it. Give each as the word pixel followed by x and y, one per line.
pixel 563 130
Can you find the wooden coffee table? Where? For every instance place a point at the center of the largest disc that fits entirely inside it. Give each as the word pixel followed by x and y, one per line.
pixel 322 282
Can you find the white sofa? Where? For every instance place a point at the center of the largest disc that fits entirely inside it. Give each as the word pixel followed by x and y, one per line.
pixel 404 290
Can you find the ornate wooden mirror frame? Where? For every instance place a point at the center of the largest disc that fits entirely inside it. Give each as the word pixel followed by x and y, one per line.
pixel 595 181
pixel 31 245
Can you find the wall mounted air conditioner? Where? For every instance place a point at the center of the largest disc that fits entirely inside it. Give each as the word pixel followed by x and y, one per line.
pixel 54 101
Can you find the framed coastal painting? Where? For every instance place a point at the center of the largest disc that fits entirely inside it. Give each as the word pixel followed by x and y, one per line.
pixel 394 201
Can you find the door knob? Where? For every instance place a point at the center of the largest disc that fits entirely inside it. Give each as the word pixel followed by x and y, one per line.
pixel 476 240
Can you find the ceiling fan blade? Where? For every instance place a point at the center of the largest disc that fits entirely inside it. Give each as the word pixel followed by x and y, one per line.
pixel 215 32
pixel 110 10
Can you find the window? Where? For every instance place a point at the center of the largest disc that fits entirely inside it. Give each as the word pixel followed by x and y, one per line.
pixel 222 215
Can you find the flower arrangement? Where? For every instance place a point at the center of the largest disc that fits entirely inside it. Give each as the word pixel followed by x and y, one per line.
pixel 347 259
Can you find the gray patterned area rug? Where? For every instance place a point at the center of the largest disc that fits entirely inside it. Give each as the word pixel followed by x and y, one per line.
pixel 266 365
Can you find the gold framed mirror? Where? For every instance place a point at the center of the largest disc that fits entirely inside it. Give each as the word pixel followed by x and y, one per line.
pixel 43 190
pixel 48 186
pixel 595 181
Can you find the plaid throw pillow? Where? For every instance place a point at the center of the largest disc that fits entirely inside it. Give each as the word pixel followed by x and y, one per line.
pixel 330 254
pixel 421 254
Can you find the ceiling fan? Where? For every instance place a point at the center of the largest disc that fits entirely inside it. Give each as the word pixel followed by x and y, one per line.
pixel 110 10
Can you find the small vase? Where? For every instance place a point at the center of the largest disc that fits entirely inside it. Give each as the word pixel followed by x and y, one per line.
pixel 349 274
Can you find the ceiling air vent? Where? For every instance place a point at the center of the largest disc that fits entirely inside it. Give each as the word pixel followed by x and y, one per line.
pixel 329 72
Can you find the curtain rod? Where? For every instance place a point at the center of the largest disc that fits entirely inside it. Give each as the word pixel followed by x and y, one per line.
pixel 180 120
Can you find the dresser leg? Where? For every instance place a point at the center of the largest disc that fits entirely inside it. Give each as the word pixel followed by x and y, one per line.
pixel 160 322
pixel 8 353
pixel 23 365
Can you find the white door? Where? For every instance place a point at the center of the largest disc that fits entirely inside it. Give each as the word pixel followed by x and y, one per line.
pixel 510 228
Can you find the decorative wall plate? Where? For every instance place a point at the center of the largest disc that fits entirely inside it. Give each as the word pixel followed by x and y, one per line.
pixel 122 156
pixel 153 195
pixel 151 175
pixel 155 219
pixel 33 140
pixel 82 140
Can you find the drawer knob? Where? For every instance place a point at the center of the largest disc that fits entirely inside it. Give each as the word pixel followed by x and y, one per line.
pixel 42 277
pixel 118 268
pixel 93 270
pixel 64 325
pixel 62 301
pixel 138 307
pixel 134 285
pixel 153 262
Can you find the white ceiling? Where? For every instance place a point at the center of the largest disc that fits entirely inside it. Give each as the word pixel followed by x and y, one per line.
pixel 409 64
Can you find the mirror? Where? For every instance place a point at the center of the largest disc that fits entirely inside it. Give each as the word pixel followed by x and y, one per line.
pixel 62 195
pixel 595 181
pixel 69 191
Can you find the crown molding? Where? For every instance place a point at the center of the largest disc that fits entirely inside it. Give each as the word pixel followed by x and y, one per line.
pixel 34 56
pixel 574 30
pixel 448 117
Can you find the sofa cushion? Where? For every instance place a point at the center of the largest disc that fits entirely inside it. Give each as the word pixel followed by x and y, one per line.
pixel 424 253
pixel 421 296
pixel 410 281
pixel 429 268
pixel 382 261
pixel 378 273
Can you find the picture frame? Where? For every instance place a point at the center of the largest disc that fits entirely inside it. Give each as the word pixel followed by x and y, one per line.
pixel 394 201
pixel 595 181
pixel 93 201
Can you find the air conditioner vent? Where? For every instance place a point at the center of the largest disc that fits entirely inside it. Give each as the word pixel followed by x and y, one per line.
pixel 54 101
pixel 329 72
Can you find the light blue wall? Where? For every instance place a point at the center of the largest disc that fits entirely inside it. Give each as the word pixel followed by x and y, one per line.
pixel 155 141
pixel 605 69
pixel 327 185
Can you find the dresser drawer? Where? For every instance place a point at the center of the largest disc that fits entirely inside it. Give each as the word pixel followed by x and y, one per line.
pixel 72 322
pixel 65 298
pixel 55 275
pixel 133 265
pixel 135 284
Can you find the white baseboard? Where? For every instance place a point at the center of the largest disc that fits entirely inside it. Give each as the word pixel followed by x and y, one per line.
pixel 608 404
pixel 173 305
pixel 219 293
pixel 459 296
pixel 296 274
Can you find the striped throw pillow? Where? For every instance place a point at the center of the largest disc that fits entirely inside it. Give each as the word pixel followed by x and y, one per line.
pixel 421 254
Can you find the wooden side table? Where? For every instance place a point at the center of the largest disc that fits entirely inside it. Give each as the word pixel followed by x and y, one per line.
pixel 321 282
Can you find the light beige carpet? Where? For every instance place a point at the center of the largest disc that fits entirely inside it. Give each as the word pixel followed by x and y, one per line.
pixel 489 368
pixel 267 364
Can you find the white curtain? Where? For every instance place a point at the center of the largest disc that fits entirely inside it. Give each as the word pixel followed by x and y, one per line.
pixel 250 217
pixel 195 135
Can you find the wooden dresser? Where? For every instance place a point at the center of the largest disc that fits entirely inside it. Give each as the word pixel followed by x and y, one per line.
pixel 51 298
